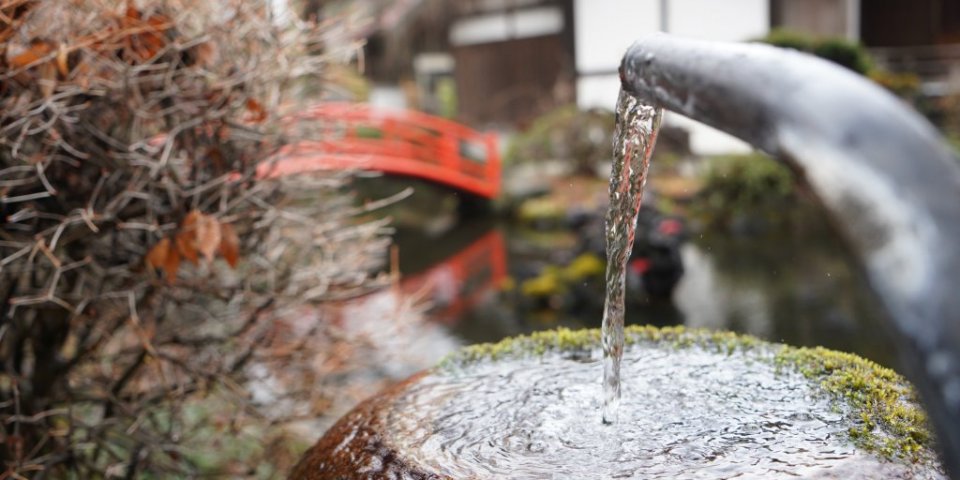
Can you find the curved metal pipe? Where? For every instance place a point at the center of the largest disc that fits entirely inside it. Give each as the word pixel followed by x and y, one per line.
pixel 879 168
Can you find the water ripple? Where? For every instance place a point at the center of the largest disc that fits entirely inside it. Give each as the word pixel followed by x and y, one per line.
pixel 687 413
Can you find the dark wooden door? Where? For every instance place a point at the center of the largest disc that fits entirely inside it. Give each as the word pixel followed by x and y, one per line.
pixel 512 81
pixel 906 23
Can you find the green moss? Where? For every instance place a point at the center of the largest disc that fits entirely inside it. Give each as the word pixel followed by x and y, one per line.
pixel 890 419
pixel 887 416
pixel 564 339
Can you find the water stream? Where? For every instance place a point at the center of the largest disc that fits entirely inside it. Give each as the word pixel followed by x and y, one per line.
pixel 634 139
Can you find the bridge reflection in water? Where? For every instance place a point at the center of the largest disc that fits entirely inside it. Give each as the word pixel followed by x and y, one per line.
pixel 462 281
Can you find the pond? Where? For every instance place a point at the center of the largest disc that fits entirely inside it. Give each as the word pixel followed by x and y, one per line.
pixel 795 283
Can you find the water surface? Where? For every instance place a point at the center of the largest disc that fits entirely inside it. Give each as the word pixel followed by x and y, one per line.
pixel 689 413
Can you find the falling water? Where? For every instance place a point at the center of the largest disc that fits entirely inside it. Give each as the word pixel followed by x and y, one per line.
pixel 633 141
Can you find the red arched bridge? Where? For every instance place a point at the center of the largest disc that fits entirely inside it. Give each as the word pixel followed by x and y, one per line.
pixel 400 142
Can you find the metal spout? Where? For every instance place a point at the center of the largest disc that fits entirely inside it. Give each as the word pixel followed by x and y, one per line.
pixel 884 174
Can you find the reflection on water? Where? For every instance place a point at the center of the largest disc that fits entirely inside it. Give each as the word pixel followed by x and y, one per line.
pixel 794 284
pixel 709 300
pixel 463 280
pixel 797 285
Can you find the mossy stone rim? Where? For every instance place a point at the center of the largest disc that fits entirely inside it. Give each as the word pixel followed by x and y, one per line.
pixel 882 404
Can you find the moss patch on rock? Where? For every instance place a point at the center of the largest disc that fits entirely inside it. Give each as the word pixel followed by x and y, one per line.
pixel 884 407
pixel 890 420
pixel 564 339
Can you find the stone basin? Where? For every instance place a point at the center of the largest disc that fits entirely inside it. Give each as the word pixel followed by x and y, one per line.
pixel 696 404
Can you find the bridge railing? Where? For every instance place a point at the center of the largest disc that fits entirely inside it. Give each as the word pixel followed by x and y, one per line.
pixel 394 141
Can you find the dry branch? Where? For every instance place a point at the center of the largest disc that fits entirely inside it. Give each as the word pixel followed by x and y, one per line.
pixel 140 256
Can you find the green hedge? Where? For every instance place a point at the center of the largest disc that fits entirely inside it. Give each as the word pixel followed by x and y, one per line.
pixel 843 52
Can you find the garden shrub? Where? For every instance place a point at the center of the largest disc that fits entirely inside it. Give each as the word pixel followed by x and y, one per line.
pixel 739 184
pixel 851 55
pixel 583 138
pixel 141 253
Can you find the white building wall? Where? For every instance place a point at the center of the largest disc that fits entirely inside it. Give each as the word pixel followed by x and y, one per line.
pixel 497 27
pixel 604 29
pixel 725 20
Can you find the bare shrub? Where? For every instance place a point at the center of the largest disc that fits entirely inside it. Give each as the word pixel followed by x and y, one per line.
pixel 142 257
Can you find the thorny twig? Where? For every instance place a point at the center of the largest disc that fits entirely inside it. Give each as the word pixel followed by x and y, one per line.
pixel 117 120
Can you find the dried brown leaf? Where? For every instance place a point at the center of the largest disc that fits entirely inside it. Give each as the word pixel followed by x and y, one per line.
pixel 152 42
pixel 186 237
pixel 186 245
pixel 206 54
pixel 37 50
pixel 172 265
pixel 190 221
pixel 165 255
pixel 82 74
pixel 229 244
pixel 132 13
pixel 208 236
pixel 257 113
pixel 62 65
pixel 157 256
pixel 48 78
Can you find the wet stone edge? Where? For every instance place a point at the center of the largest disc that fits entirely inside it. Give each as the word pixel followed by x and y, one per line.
pixel 883 408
